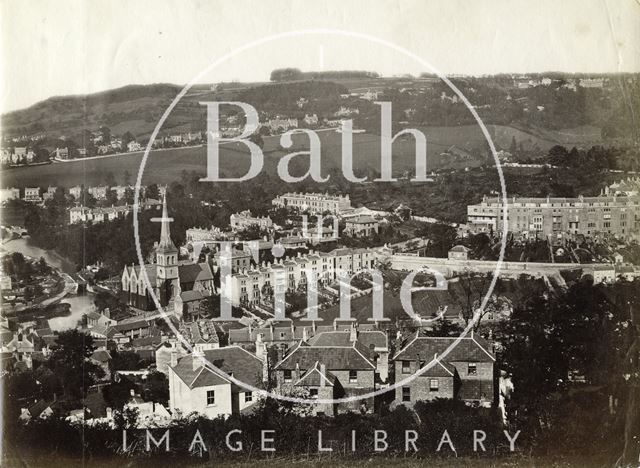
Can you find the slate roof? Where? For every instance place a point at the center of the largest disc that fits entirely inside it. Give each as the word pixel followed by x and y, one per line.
pixel 150 269
pixel 201 331
pixel 133 323
pixel 191 296
pixel 38 407
pixel 377 339
pixel 234 360
pixel 193 272
pixel 314 377
pixel 469 349
pixel 95 405
pixel 334 358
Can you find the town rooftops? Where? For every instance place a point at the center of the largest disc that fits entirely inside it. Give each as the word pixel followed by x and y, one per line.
pixel 369 339
pixel 217 365
pixel 468 349
pixel 201 331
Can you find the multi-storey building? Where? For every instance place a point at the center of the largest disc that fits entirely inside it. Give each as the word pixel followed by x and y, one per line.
pixel 359 226
pixel 244 220
pixel 202 381
pixel 558 217
pixel 315 203
pixel 332 365
pixel 466 372
pixel 252 286
pixel 32 194
pixel 99 193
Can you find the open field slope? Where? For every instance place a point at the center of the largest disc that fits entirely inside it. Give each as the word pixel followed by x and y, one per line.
pixel 467 143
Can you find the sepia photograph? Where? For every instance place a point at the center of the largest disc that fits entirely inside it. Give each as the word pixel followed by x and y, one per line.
pixel 340 233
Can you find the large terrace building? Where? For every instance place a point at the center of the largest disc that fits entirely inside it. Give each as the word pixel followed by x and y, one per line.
pixel 558 217
pixel 314 203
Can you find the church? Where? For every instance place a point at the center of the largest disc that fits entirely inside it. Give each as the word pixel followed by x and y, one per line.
pixel 177 284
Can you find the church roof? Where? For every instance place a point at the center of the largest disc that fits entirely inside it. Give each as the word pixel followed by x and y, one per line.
pixel 192 272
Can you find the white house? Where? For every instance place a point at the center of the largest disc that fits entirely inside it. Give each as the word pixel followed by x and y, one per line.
pixel 202 382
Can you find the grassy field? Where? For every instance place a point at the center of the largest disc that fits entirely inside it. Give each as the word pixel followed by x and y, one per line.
pixel 164 166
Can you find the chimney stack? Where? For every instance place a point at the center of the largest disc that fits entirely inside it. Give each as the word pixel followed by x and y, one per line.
pixel 353 334
pixel 174 358
pixel 305 335
pixel 323 371
pixel 196 359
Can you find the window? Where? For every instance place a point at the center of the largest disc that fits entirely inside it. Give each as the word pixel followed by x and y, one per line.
pixel 211 397
pixel 471 369
pixel 248 396
pixel 287 376
pixel 434 385
pixel 406 393
pixel 353 376
pixel 313 393
pixel 406 367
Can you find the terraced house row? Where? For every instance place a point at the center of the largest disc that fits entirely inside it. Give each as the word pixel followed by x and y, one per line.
pixel 250 286
pixel 558 217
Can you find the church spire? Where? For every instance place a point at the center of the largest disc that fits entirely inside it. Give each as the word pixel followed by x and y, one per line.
pixel 166 244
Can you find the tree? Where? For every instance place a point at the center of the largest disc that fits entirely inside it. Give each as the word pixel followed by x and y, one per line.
pixel 105 133
pixel 126 177
pixel 156 388
pixel 126 138
pixel 109 179
pixel 152 192
pixel 70 362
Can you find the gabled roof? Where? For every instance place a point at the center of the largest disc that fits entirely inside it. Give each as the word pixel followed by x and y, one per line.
pixel 315 378
pixel 460 248
pixel 192 272
pixel 469 349
pixel 38 407
pixel 222 362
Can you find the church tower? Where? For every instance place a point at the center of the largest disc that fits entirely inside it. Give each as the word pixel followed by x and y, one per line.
pixel 167 281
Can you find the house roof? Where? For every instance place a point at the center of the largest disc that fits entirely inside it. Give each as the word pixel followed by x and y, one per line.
pixel 361 219
pixel 101 355
pixel 368 339
pixel 468 349
pixel 305 356
pixel 38 407
pixel 201 331
pixel 314 377
pixel 132 323
pixel 222 362
pixel 460 248
pixel 191 296
pixel 94 315
pixel 95 405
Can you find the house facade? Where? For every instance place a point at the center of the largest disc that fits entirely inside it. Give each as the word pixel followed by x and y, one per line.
pixel 466 372
pixel 201 382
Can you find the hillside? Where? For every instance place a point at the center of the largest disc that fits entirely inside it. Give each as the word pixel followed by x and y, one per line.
pixel 136 107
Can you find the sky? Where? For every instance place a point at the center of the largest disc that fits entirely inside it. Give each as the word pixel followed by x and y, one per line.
pixel 61 47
